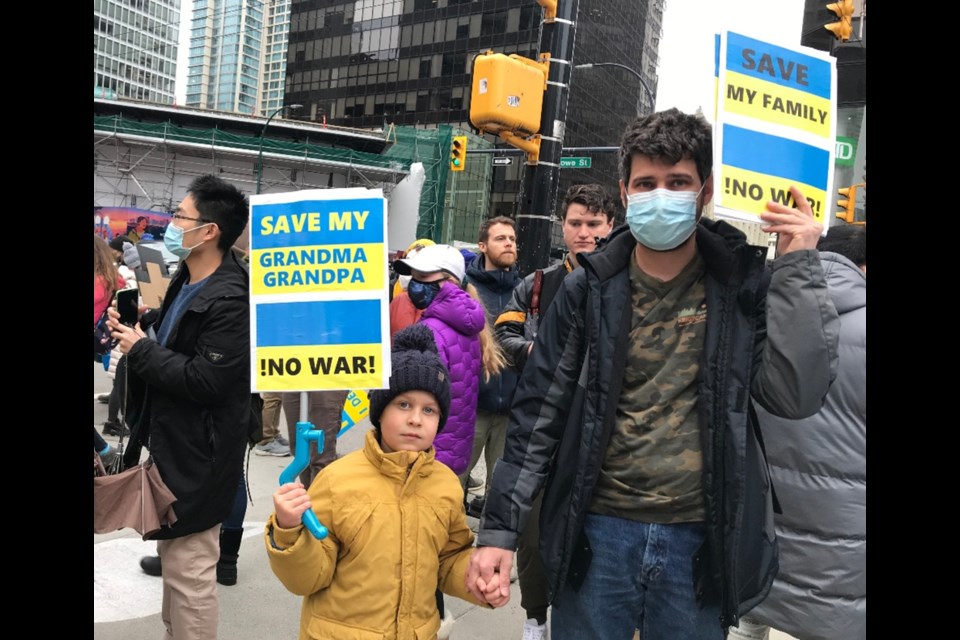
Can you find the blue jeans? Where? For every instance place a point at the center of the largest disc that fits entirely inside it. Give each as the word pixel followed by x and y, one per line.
pixel 641 577
pixel 234 521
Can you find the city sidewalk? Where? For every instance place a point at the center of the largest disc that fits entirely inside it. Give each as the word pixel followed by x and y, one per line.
pixel 126 601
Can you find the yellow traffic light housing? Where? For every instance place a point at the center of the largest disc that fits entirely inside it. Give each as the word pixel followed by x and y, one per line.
pixel 844 28
pixel 507 93
pixel 458 153
pixel 848 203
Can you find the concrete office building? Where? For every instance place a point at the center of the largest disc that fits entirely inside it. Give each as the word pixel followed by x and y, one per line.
pixel 135 49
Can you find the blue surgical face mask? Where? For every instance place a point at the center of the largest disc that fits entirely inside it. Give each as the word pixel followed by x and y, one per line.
pixel 422 293
pixel 662 219
pixel 173 241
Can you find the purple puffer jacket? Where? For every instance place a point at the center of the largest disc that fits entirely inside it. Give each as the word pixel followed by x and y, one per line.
pixel 456 320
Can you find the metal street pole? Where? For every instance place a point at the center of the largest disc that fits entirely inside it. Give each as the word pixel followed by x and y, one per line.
pixel 636 73
pixel 541 181
pixel 263 132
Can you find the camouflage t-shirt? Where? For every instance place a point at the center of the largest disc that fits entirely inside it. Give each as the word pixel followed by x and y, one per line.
pixel 653 465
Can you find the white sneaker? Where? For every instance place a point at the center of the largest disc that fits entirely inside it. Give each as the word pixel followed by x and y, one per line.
pixel 534 631
pixel 446 626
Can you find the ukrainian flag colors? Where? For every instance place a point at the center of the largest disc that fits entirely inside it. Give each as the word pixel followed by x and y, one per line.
pixel 776 126
pixel 318 290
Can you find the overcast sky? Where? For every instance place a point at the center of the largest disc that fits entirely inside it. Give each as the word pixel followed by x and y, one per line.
pixel 686 49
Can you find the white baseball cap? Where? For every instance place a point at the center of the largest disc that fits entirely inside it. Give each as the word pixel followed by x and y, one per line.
pixel 438 257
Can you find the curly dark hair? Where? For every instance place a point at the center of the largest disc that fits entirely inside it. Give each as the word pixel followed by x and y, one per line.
pixel 594 197
pixel 670 136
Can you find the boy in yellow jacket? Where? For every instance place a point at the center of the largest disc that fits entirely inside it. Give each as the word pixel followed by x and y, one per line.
pixel 398 531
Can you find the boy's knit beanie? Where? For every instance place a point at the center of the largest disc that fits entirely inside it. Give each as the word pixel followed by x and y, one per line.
pixel 416 367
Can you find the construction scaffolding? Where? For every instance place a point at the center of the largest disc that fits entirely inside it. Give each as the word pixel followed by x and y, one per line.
pixel 150 164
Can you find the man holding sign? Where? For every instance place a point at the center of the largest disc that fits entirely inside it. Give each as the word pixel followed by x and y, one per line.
pixel 635 410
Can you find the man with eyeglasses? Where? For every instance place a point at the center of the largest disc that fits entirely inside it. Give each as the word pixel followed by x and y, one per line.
pixel 189 396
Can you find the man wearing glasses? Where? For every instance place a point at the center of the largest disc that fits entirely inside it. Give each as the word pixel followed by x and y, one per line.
pixel 189 393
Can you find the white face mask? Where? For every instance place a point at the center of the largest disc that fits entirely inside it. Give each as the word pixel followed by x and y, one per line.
pixel 662 219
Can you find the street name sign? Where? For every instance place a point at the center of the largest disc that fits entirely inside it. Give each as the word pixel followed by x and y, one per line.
pixel 575 163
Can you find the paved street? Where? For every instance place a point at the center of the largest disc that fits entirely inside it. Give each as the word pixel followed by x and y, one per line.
pixel 126 602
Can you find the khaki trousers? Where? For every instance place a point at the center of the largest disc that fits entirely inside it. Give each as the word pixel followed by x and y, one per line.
pixel 271 415
pixel 191 608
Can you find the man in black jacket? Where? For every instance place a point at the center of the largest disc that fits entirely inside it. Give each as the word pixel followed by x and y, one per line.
pixel 190 396
pixel 587 215
pixel 635 407
pixel 494 274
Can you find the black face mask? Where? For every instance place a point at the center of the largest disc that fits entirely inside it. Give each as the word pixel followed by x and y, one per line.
pixel 422 293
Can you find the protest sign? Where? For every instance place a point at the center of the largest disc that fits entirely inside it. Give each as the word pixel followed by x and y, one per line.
pixel 776 126
pixel 318 292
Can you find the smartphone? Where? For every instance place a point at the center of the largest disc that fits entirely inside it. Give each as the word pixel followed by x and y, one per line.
pixel 127 306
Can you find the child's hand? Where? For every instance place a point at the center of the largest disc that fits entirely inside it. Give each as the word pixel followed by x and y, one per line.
pixel 290 501
pixel 492 592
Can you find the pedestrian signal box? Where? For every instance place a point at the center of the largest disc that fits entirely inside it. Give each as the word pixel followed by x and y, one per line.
pixel 843 29
pixel 507 93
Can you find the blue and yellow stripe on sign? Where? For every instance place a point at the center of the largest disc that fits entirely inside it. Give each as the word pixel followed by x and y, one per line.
pixel 308 223
pixel 318 367
pixel 758 167
pixel 775 156
pixel 318 269
pixel 355 408
pixel 783 67
pixel 323 322
pixel 755 98
pixel 749 192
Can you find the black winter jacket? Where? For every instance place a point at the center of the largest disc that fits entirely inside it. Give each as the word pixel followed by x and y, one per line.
pixel 495 288
pixel 190 401
pixel 777 347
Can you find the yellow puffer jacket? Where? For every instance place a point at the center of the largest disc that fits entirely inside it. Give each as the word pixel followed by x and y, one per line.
pixel 397 532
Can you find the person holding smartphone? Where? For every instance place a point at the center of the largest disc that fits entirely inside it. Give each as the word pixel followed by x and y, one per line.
pixel 189 393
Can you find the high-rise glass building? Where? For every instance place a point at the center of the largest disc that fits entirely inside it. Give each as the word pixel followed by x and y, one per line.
pixel 225 55
pixel 276 20
pixel 135 49
pixel 371 63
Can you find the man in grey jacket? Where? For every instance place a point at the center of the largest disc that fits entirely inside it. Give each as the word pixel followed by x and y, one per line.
pixel 636 406
pixel 819 469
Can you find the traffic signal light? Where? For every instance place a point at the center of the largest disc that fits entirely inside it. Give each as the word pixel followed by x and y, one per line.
pixel 841 30
pixel 848 203
pixel 458 153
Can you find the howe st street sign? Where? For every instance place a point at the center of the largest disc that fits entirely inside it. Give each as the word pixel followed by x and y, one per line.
pixel 575 163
